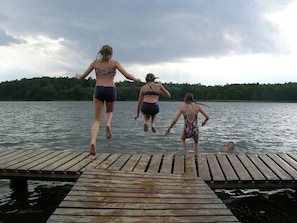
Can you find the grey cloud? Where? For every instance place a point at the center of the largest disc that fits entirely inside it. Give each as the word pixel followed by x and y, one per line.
pixel 6 39
pixel 152 31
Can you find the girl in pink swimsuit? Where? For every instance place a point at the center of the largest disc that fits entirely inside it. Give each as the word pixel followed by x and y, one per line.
pixel 190 113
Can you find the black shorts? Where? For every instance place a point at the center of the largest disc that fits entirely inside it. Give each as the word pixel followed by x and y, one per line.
pixel 150 109
pixel 108 94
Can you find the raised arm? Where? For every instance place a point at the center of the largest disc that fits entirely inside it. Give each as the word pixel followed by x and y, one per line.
pixel 125 73
pixel 86 73
pixel 164 92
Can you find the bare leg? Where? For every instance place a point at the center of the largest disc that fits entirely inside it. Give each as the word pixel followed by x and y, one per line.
pixel 108 117
pixel 153 123
pixel 145 125
pixel 185 146
pixel 196 141
pixel 98 106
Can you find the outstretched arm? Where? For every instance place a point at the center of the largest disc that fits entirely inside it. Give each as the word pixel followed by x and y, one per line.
pixel 86 73
pixel 125 73
pixel 174 121
pixel 164 92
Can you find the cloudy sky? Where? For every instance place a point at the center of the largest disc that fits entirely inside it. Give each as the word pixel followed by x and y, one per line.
pixel 211 42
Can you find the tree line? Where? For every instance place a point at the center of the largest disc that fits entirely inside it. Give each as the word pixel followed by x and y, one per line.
pixel 64 88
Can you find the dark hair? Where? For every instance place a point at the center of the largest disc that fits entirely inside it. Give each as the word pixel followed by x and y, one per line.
pixel 106 52
pixel 150 77
pixel 189 97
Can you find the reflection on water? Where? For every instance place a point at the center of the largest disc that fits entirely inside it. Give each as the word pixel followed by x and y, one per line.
pixel 254 127
pixel 261 206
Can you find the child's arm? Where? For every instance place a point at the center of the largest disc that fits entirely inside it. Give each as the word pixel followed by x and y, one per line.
pixel 174 121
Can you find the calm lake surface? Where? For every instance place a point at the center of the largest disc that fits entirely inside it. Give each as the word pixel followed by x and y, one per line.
pixel 254 127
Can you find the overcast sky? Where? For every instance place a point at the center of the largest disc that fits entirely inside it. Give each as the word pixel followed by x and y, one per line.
pixel 211 42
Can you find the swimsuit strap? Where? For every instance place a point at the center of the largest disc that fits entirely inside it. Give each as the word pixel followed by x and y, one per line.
pixel 150 86
pixel 194 113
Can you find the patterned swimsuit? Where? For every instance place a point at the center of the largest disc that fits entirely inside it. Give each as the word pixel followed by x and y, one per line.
pixel 191 126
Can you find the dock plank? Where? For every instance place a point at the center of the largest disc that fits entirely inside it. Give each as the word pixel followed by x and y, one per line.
pixel 240 170
pixel 33 161
pixel 179 164
pixel 282 174
pixel 251 168
pixel 227 168
pixel 17 156
pixel 178 202
pixel 284 165
pixel 267 172
pixel 120 162
pixel 215 169
pixel 108 161
pixel 143 163
pixel 155 163
pixel 190 166
pixel 203 170
pixel 131 163
pixel 167 164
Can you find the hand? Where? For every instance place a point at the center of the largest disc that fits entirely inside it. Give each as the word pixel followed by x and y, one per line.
pixel 136 116
pixel 167 132
pixel 78 76
pixel 137 80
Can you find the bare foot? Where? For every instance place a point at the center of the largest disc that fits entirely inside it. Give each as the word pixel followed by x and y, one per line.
pixel 108 132
pixel 154 129
pixel 145 127
pixel 93 149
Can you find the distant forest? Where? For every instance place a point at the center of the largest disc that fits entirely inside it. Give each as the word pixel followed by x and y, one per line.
pixel 46 88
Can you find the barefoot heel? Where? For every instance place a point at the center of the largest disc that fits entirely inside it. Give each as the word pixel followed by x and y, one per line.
pixel 108 132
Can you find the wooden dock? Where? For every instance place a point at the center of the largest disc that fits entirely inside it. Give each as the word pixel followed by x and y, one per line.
pixel 119 196
pixel 148 187
pixel 217 170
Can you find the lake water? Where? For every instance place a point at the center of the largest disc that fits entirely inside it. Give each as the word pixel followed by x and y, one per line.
pixel 254 127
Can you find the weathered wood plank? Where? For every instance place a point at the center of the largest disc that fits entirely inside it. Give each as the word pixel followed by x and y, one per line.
pixel 167 164
pixel 203 169
pixel 16 157
pixel 179 164
pixel 143 163
pixel 207 201
pixel 51 158
pixel 140 197
pixel 99 158
pixel 135 205
pixel 120 162
pixel 215 169
pixel 56 162
pixel 292 162
pixel 267 172
pixel 76 158
pixel 33 161
pixel 155 162
pixel 283 175
pixel 64 161
pixel 108 161
pixel 131 163
pixel 80 166
pixel 284 165
pixel 251 168
pixel 190 166
pixel 134 219
pixel 240 170
pixel 227 168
